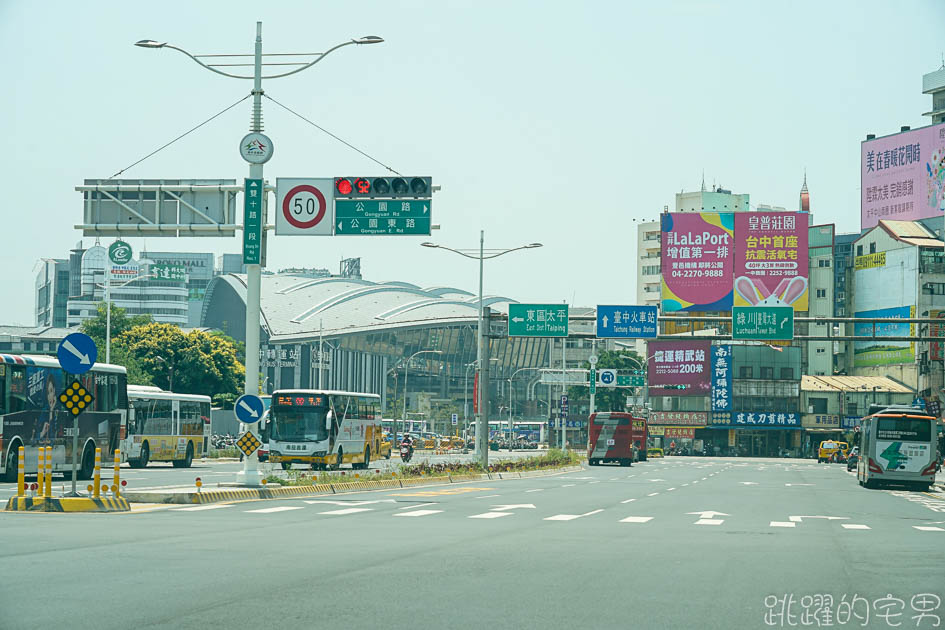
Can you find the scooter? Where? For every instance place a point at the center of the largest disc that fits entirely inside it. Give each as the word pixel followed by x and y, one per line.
pixel 406 452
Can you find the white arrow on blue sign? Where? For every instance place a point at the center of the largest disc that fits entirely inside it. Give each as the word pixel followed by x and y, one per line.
pixel 249 408
pixel 627 321
pixel 77 353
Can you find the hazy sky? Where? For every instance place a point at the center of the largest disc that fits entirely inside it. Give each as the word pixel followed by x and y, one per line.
pixel 542 121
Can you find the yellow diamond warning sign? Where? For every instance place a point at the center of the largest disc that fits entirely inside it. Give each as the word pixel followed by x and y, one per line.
pixel 248 443
pixel 75 398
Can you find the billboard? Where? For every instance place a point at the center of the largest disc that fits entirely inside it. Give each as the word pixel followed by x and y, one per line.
pixel 937 348
pixel 721 377
pixel 696 261
pixel 678 368
pixel 770 259
pixel 879 352
pixel 902 176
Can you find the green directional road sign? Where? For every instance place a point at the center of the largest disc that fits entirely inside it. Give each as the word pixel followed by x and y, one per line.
pixel 768 323
pixel 592 378
pixel 630 381
pixel 538 320
pixel 382 216
pixel 252 221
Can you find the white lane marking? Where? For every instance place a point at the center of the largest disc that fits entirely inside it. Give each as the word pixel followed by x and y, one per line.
pixel 704 478
pixel 419 513
pixel 200 507
pixel 696 481
pixel 416 505
pixel 710 521
pixel 513 506
pixel 800 519
pixel 685 484
pixel 347 511
pixel 652 494
pixel 628 476
pixel 798 484
pixel 614 478
pixel 594 482
pixel 708 514
pixel 490 515
pixel 749 483
pixel 657 480
pixel 628 501
pixel 928 529
pixel 853 526
pixel 348 503
pixel 570 517
pixel 281 508
pixel 636 519
pixel 568 485
pixel 534 490
pixel 489 496
pixel 670 489
pixel 782 524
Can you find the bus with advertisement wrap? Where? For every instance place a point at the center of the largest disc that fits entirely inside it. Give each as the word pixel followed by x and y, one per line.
pixel 897 446
pixel 614 436
pixel 165 427
pixel 31 415
pixel 323 428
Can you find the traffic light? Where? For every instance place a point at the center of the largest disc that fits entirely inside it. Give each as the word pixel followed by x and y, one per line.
pixel 675 386
pixel 390 187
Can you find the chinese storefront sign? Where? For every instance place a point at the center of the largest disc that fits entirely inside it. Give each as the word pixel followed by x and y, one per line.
pixel 679 418
pixel 678 368
pixel 747 419
pixel 721 365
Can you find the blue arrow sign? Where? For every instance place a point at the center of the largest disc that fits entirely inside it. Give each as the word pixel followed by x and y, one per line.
pixel 626 321
pixel 249 408
pixel 77 353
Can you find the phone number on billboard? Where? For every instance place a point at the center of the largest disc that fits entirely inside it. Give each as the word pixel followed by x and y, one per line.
pixel 697 273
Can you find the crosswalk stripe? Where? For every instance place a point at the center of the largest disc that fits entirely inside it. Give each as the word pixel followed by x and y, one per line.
pixel 418 513
pixel 281 508
pixel 782 524
pixel 491 515
pixel 853 526
pixel 710 521
pixel 636 519
pixel 347 511
pixel 923 528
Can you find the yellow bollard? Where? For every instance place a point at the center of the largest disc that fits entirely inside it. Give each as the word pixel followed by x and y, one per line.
pixel 20 472
pixel 97 480
pixel 49 471
pixel 116 485
pixel 40 471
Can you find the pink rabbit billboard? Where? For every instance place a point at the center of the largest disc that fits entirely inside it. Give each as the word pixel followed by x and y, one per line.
pixel 771 262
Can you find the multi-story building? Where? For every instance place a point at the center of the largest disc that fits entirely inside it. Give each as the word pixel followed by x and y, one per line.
pixel 821 280
pixel 230 263
pixel 52 292
pixel 200 272
pixel 648 263
pixel 933 83
pixel 899 272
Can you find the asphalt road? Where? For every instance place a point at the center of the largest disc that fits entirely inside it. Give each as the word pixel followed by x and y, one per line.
pixel 674 543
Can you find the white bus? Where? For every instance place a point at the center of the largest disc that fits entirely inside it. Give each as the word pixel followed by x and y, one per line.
pixel 165 427
pixel 897 446
pixel 323 428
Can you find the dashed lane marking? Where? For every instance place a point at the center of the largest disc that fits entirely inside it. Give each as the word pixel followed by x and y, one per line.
pixel 783 524
pixel 347 511
pixel 491 515
pixel 710 521
pixel 923 528
pixel 854 526
pixel 534 490
pixel 489 496
pixel 198 508
pixel 652 494
pixel 570 517
pixel 281 508
pixel 419 513
pixel 636 519
pixel 568 485
pixel 628 501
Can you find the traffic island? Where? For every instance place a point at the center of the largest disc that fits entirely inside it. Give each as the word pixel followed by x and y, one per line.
pixel 67 504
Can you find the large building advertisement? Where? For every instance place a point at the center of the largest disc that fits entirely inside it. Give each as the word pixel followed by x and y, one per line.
pixel 771 263
pixel 885 287
pixel 880 352
pixel 902 176
pixel 678 368
pixel 696 261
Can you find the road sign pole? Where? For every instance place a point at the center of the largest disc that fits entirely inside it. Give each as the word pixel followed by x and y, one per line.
pixel 564 390
pixel 249 476
pixel 75 456
pixel 108 315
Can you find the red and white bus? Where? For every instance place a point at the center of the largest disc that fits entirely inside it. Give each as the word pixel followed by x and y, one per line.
pixel 614 436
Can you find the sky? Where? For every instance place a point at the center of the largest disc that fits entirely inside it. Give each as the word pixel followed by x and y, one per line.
pixel 561 123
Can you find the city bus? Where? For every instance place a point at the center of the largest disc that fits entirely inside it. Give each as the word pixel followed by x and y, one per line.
pixel 32 416
pixel 324 428
pixel 897 446
pixel 614 436
pixel 165 427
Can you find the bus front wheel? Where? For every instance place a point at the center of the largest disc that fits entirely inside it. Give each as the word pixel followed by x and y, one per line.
pixel 88 463
pixel 188 458
pixel 145 456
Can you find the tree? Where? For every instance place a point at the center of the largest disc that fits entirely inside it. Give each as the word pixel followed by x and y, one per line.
pixel 607 398
pixel 95 327
pixel 194 363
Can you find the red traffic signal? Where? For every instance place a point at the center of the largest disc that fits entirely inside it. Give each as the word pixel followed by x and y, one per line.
pixel 374 187
pixel 343 186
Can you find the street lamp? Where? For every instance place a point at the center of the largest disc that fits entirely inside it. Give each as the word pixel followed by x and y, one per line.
pixel 250 473
pixel 482 428
pixel 510 399
pixel 108 309
pixel 406 371
pixel 170 372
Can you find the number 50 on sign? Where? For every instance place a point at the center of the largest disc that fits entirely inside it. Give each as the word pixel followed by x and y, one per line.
pixel 304 206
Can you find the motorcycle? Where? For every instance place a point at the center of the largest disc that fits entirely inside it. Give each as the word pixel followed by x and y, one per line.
pixel 406 452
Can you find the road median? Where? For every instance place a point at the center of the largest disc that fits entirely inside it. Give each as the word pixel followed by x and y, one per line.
pixel 67 504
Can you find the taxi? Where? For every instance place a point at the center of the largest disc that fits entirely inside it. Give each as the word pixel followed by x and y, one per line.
pixel 654 452
pixel 828 448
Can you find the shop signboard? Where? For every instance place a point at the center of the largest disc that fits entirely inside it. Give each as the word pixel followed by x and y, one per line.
pixel 679 418
pixel 678 368
pixel 679 432
pixel 721 367
pixel 696 261
pixel 770 264
pixel 820 421
pixel 756 419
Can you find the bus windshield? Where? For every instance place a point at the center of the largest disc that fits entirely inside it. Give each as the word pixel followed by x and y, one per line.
pixel 298 424
pixel 905 429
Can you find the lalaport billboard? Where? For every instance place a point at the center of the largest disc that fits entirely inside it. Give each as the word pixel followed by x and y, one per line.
pixel 696 261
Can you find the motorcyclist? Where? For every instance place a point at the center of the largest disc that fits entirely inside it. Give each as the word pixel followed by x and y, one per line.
pixel 408 442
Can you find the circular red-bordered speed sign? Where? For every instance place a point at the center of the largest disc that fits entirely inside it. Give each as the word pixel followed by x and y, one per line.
pixel 299 209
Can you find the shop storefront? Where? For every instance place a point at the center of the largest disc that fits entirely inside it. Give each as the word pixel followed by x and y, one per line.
pixel 675 431
pixel 821 427
pixel 756 434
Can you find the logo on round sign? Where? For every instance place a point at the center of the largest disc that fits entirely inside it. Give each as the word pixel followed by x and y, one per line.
pixel 304 206
pixel 119 252
pixel 256 148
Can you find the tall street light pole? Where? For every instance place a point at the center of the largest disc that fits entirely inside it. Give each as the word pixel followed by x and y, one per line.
pixel 250 473
pixel 482 423
pixel 406 371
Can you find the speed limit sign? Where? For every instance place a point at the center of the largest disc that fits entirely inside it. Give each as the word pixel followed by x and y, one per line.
pixel 305 206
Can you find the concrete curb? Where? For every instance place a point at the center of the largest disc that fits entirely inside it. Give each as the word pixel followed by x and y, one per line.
pixel 67 504
pixel 282 492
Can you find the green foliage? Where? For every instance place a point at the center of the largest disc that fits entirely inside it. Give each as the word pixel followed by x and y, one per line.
pixel 608 398
pixel 197 362
pixel 137 375
pixel 95 327
pixel 225 401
